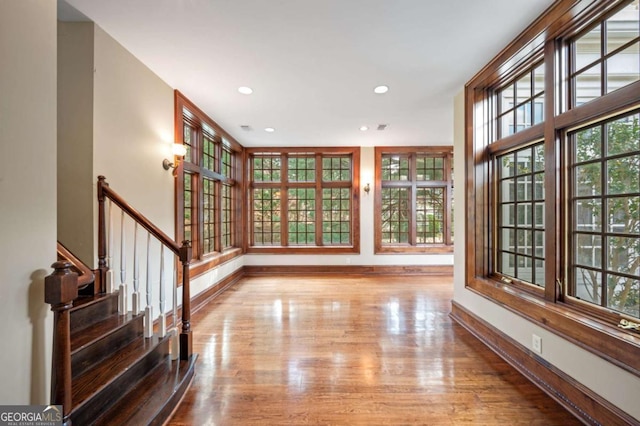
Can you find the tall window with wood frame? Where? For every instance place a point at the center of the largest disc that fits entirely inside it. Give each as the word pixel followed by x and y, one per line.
pixel 553 176
pixel 303 200
pixel 207 197
pixel 413 199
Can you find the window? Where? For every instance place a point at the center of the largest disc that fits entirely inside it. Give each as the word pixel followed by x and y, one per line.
pixel 303 200
pixel 553 176
pixel 605 224
pixel 605 56
pixel 207 200
pixel 413 199
pixel 521 102
pixel 520 214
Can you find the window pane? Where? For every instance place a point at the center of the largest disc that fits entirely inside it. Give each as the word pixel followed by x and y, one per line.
pixel 336 168
pixel 588 215
pixel 623 68
pixel 396 213
pixel 623 215
pixel 588 48
pixel 302 216
pixel 227 217
pixel 209 154
pixel 623 254
pixel 209 214
pixel 606 256
pixel 538 79
pixel 508 165
pixel 588 285
pixel 302 169
pixel 506 124
pixel 523 88
pixel 588 85
pixel 588 179
pixel 429 168
pixel 623 175
pixel 266 216
pixel 623 27
pixel 623 136
pixel 588 144
pixel 266 168
pixel 430 215
pixel 336 216
pixel 506 98
pixel 588 250
pixel 518 235
pixel 395 167
pixel 623 294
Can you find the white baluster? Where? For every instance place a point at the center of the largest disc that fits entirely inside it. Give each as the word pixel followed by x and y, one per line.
pixel 148 311
pixel 110 287
pixel 122 299
pixel 135 297
pixel 162 327
pixel 174 346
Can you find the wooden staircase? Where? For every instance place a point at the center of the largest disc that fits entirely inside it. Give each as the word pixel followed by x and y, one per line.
pixel 108 367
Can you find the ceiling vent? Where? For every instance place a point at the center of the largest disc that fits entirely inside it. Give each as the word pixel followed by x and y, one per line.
pixel 246 127
pixel 382 126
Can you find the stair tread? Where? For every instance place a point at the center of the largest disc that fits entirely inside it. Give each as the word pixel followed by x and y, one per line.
pixel 84 337
pixel 84 301
pixel 150 397
pixel 92 381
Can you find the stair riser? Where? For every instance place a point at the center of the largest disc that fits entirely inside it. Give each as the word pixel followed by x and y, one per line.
pixel 89 357
pixel 85 316
pixel 91 409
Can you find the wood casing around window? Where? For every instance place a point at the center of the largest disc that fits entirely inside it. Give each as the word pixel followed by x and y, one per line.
pixel 590 327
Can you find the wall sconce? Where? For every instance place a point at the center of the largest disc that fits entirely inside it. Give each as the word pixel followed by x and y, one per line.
pixel 367 188
pixel 179 151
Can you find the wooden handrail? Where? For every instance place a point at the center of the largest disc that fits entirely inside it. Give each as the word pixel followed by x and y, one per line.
pixel 182 251
pixel 105 191
pixel 85 274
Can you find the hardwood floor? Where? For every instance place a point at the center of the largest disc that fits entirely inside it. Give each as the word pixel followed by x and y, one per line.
pixel 350 351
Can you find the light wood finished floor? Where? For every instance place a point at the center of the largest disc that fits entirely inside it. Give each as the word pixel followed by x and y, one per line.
pixel 350 351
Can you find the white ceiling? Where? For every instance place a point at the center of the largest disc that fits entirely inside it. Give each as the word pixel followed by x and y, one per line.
pixel 313 64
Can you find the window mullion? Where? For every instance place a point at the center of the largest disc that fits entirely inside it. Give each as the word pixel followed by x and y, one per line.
pixel 284 200
pixel 553 240
pixel 413 175
pixel 318 186
pixel 448 200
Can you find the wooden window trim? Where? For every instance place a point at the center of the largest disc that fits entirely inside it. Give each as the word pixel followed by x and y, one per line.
pixel 354 186
pixel 590 329
pixel 447 247
pixel 204 263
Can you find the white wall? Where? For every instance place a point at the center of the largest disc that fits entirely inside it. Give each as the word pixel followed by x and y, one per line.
pixel 366 256
pixel 27 196
pixel 609 381
pixel 75 135
pixel 133 132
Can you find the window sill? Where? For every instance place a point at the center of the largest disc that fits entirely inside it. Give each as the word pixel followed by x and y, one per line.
pixel 303 250
pixel 434 249
pixel 604 339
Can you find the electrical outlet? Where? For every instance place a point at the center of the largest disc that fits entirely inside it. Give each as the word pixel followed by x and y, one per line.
pixel 536 343
pixel 348 260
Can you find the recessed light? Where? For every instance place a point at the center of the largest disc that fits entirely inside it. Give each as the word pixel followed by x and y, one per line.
pixel 381 89
pixel 245 90
pixel 364 128
pixel 269 129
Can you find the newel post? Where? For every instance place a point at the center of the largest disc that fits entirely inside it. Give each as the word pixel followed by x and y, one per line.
pixel 102 239
pixel 185 335
pixel 60 290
